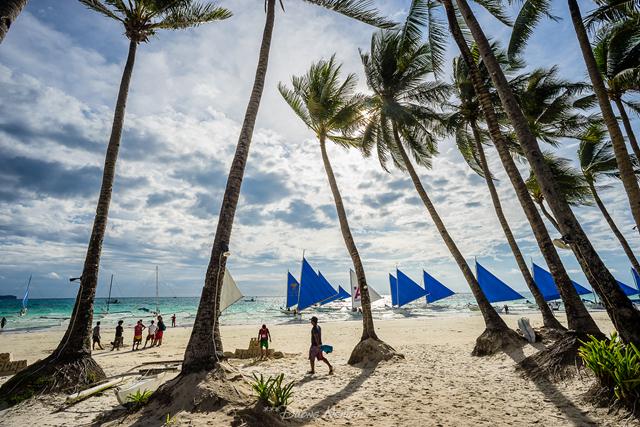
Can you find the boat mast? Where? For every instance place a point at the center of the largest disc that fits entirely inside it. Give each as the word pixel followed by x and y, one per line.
pixel 109 299
pixel 25 298
pixel 157 306
pixel 300 287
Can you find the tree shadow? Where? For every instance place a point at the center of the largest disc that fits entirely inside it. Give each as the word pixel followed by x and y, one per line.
pixel 553 394
pixel 331 400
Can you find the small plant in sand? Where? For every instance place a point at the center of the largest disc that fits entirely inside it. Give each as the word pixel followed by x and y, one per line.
pixel 272 392
pixel 615 364
pixel 138 399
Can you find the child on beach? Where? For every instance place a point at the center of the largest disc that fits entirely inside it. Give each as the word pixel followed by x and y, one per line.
pixel 137 335
pixel 264 336
pixel 151 334
pixel 119 340
pixel 315 351
pixel 96 337
pixel 159 332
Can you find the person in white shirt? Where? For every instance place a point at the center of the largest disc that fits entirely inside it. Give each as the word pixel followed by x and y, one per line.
pixel 151 336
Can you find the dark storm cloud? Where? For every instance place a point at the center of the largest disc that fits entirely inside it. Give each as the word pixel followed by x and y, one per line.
pixel 300 214
pixel 67 135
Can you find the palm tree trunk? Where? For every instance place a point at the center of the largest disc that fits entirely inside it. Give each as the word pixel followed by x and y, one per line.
pixel 578 317
pixel 624 316
pixel 491 318
pixel 548 318
pixel 76 341
pixel 9 11
pixel 205 344
pixel 627 127
pixel 614 228
pixel 367 318
pixel 617 140
pixel 548 215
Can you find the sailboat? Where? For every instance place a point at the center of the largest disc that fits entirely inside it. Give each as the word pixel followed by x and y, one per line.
pixel 493 288
pixel 25 299
pixel 547 286
pixel 434 289
pixel 230 293
pixel 313 290
pixel 404 290
pixel 340 294
pixel 293 291
pixel 356 299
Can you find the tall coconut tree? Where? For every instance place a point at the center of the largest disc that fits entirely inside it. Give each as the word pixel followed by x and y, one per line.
pixel 597 161
pixel 204 349
pixel 71 363
pixel 617 54
pixel 620 309
pixel 9 11
pixel 328 106
pixel 399 127
pixel 465 123
pixel 524 27
pixel 578 317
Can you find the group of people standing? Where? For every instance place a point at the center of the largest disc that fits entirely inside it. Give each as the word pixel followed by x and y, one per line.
pixel 155 332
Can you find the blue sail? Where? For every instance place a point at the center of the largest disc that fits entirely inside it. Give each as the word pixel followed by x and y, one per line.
pixel 293 290
pixel 494 289
pixel 636 277
pixel 325 283
pixel 408 290
pixel 628 290
pixel 547 286
pixel 340 295
pixel 313 289
pixel 434 289
pixel 393 284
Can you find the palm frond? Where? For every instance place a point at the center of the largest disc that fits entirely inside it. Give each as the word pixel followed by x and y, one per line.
pixel 192 15
pixel 495 8
pixel 102 9
pixel 529 16
pixel 360 10
pixel 296 103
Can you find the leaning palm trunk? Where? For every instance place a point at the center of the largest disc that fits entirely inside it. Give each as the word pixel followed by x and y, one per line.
pixel 625 167
pixel 624 316
pixel 548 215
pixel 578 317
pixel 614 228
pixel 9 11
pixel 370 349
pixel 627 127
pixel 496 335
pixel 205 345
pixel 548 318
pixel 71 365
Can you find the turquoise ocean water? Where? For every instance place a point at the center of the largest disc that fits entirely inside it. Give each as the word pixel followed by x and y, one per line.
pixel 54 313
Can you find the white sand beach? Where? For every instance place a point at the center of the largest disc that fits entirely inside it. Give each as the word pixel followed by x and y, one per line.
pixel 437 384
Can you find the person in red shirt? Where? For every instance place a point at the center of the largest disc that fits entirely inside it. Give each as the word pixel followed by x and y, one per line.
pixel 264 336
pixel 137 335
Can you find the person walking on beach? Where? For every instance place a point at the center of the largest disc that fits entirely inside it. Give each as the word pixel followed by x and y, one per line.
pixel 137 335
pixel 119 339
pixel 506 309
pixel 151 334
pixel 173 320
pixel 315 352
pixel 159 332
pixel 3 322
pixel 96 337
pixel 264 336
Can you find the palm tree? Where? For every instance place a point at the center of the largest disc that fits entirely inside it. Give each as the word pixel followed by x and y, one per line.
pixel 71 363
pixel 572 184
pixel 524 27
pixel 598 161
pixel 617 55
pixel 578 317
pixel 400 120
pixel 205 345
pixel 466 117
pixel 330 109
pixel 9 11
pixel 619 307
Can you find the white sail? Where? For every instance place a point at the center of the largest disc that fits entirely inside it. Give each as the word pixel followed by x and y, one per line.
pixel 355 291
pixel 230 292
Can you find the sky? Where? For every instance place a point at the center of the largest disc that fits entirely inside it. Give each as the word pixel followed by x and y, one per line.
pixel 60 68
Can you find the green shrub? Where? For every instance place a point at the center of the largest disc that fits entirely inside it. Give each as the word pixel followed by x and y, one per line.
pixel 138 399
pixel 272 392
pixel 615 364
